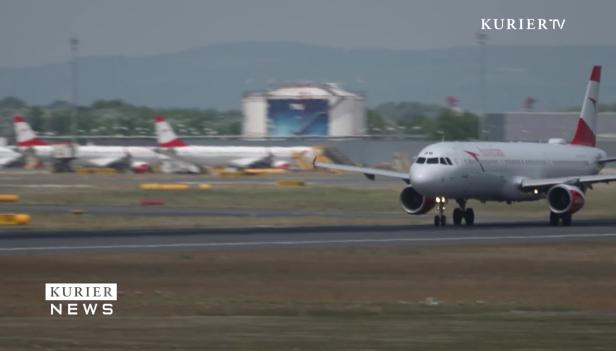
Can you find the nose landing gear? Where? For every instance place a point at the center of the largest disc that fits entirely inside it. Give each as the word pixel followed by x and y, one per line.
pixel 440 219
pixel 460 213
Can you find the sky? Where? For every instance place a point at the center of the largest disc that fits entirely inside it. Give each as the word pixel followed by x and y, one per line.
pixel 36 32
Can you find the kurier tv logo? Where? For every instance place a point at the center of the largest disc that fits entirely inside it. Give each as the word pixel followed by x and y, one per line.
pixel 81 299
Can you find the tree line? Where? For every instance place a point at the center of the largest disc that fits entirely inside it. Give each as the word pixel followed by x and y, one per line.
pixel 117 117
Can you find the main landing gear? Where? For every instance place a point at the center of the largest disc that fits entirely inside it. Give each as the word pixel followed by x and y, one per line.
pixel 555 218
pixel 462 213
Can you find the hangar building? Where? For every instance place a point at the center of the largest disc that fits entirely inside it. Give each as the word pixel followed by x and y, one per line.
pixel 304 110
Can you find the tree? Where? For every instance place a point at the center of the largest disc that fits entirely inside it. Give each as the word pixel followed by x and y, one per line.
pixel 35 117
pixel 12 102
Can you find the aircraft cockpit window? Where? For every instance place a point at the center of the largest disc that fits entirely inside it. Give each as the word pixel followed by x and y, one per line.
pixel 432 160
pixel 421 160
pixel 443 162
pixel 448 161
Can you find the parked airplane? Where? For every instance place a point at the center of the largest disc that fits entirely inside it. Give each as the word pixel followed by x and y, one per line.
pixel 9 157
pixel 504 171
pixel 138 159
pixel 231 156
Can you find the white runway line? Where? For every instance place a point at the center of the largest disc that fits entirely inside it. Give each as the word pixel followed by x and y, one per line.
pixel 307 242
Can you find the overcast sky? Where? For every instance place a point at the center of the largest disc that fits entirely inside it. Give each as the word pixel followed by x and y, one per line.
pixel 34 32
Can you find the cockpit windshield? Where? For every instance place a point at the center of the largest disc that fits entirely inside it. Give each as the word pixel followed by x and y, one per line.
pixel 434 161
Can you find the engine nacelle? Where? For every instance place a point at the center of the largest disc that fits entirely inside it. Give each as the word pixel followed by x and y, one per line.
pixel 414 203
pixel 281 165
pixel 565 198
pixel 140 167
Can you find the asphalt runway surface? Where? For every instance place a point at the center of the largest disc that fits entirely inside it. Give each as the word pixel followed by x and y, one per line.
pixel 155 211
pixel 16 243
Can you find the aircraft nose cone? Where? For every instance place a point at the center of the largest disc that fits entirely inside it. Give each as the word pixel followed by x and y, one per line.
pixel 426 181
pixel 419 177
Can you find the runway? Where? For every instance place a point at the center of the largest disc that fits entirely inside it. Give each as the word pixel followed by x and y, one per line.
pixel 15 243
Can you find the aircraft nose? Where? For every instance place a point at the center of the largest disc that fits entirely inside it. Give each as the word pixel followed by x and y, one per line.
pixel 424 179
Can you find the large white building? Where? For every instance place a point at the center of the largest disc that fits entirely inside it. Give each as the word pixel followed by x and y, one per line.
pixel 304 110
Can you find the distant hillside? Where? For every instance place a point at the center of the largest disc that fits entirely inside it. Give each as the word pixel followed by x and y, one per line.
pixel 216 76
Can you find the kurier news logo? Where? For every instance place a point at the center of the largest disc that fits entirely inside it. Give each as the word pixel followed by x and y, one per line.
pixel 81 299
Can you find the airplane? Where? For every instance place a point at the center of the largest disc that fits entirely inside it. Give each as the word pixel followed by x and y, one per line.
pixel 8 157
pixel 138 159
pixel 508 172
pixel 241 157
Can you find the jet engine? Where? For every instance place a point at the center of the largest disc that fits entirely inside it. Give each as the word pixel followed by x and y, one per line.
pixel 565 198
pixel 281 165
pixel 414 203
pixel 140 167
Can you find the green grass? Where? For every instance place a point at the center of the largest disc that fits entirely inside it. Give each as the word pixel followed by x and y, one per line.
pixel 500 297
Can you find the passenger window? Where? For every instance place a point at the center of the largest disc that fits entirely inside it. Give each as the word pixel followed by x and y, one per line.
pixel 433 160
pixel 421 160
pixel 449 161
pixel 443 162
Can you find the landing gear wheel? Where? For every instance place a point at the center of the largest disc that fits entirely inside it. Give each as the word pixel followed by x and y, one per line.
pixel 458 214
pixel 443 220
pixel 437 220
pixel 469 216
pixel 566 217
pixel 554 218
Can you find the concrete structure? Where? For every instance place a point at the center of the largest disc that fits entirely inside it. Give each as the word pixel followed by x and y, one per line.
pixel 304 110
pixel 541 126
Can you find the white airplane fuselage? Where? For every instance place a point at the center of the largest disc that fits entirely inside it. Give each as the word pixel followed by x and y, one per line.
pixel 492 171
pixel 236 155
pixel 88 155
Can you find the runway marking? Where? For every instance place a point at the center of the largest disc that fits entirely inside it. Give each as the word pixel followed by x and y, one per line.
pixel 304 242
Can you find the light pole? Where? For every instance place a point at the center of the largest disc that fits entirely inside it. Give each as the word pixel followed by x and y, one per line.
pixel 482 38
pixel 74 43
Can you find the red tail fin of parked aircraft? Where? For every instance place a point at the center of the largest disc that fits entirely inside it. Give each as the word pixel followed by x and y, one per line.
pixel 25 135
pixel 165 134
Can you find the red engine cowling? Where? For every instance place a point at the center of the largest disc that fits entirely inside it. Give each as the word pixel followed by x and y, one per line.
pixel 414 203
pixel 565 198
pixel 281 165
pixel 140 167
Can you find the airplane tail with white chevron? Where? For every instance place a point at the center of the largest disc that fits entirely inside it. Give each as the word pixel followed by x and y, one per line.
pixel 586 132
pixel 165 134
pixel 25 136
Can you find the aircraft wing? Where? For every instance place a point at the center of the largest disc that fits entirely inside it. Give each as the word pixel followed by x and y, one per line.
pixel 370 173
pixel 609 159
pixel 588 179
pixel 5 161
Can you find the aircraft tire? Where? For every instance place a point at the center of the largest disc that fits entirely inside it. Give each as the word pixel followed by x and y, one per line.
pixel 457 216
pixel 437 220
pixel 443 220
pixel 469 216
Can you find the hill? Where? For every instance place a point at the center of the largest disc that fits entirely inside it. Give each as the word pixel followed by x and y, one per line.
pixel 217 75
